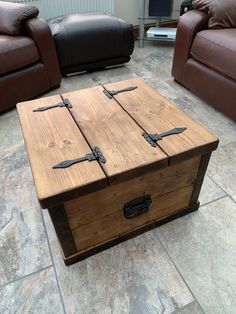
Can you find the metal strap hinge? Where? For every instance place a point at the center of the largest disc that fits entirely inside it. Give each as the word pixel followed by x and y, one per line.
pixel 111 93
pixel 65 103
pixel 153 138
pixel 95 155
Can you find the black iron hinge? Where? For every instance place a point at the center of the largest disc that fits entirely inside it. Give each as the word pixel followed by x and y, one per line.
pixel 64 103
pixel 95 155
pixel 110 93
pixel 153 138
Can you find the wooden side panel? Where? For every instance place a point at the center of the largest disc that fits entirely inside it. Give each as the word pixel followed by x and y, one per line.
pixel 50 137
pixel 105 124
pixel 157 115
pixel 126 236
pixel 99 216
pixel 115 224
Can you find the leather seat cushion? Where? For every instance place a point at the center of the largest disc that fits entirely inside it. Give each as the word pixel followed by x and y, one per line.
pixel 216 48
pixel 86 38
pixel 16 52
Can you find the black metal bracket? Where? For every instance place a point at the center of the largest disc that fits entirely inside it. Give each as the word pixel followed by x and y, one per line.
pixel 65 103
pixel 111 93
pixel 95 155
pixel 153 138
pixel 137 206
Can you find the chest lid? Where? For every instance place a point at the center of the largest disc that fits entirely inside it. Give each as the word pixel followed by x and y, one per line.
pixel 97 126
pixel 157 115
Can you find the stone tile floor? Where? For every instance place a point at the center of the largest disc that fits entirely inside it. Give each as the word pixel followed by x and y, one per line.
pixel 186 266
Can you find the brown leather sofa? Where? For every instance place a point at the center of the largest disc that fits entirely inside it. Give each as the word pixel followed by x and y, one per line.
pixel 205 56
pixel 28 60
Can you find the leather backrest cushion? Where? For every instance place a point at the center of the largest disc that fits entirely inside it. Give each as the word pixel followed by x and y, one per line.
pixel 12 16
pixel 222 12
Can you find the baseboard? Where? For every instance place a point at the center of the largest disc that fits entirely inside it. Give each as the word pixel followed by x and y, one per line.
pixel 171 23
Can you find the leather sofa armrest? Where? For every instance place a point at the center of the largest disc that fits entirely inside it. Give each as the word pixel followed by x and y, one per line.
pixel 189 25
pixel 38 30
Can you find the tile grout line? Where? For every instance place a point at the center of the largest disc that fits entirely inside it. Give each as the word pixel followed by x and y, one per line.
pixel 26 276
pixel 185 306
pixel 215 200
pixel 165 249
pixel 53 264
pixel 222 188
pixel 181 276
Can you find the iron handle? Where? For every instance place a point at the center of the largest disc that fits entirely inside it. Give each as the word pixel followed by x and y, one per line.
pixel 137 206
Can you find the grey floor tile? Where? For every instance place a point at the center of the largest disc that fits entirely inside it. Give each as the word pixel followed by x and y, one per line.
pixel 213 120
pixel 192 308
pixel 166 89
pixel 156 66
pixel 202 246
pixel 76 82
pixel 35 294
pixel 10 133
pixel 82 81
pixel 135 277
pixel 23 244
pixel 222 168
pixel 210 191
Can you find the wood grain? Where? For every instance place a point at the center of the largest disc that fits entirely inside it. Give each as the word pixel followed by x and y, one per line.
pixel 50 137
pixel 99 216
pixel 157 115
pixel 115 224
pixel 105 124
pixel 129 235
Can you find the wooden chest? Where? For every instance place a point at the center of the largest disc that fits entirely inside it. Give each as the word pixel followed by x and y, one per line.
pixel 135 162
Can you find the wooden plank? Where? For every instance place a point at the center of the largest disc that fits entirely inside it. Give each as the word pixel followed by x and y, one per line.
pixel 129 235
pixel 157 115
pixel 62 228
pixel 87 208
pixel 105 124
pixel 115 224
pixel 99 216
pixel 50 137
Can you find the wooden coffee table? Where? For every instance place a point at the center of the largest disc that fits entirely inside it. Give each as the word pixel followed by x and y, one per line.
pixel 135 162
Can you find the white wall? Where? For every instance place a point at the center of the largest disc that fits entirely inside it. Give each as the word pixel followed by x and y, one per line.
pixel 129 10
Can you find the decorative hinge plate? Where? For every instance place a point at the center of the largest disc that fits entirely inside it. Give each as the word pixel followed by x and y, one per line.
pixel 153 138
pixel 64 103
pixel 111 93
pixel 95 155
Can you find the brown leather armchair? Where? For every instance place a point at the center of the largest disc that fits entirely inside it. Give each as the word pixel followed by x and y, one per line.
pixel 205 58
pixel 28 60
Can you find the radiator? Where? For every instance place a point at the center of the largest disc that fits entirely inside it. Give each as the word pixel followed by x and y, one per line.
pixel 51 8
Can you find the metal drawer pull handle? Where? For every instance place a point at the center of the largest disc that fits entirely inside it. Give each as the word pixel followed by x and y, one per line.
pixel 137 206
